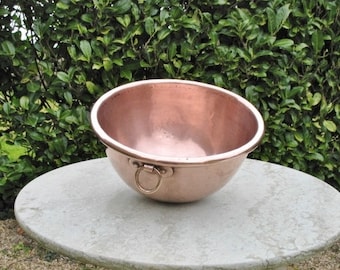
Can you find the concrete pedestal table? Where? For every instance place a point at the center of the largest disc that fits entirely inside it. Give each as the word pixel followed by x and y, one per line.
pixel 266 217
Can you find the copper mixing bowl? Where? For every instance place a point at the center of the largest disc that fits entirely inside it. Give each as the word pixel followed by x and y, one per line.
pixel 176 140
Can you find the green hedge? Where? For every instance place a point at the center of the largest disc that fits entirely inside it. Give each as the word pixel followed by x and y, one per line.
pixel 283 56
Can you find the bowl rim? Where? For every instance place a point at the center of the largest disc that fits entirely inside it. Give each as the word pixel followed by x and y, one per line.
pixel 108 141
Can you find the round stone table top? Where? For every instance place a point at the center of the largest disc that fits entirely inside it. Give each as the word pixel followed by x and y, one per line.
pixel 267 216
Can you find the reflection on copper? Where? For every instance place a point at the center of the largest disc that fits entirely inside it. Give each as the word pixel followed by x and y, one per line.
pixel 200 131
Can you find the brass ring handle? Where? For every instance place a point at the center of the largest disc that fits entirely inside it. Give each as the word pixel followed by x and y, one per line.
pixel 151 170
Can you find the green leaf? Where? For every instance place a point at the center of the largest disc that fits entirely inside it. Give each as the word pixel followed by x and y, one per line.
pixel 32 120
pixel 121 6
pixel 124 21
pixel 71 119
pixel 124 73
pixel 162 34
pixel 86 49
pixel 291 103
pixel 91 87
pixel 97 66
pixel 214 38
pixel 271 17
pixel 169 69
pixel 121 41
pixel 62 5
pixel 4 11
pixel 221 2
pixel 172 50
pixel 149 25
pixel 144 64
pixel 315 156
pixel 191 23
pixel 118 62
pixel 298 136
pixel 282 15
pixel 63 76
pixel 284 43
pixel 337 110
pixel 277 19
pixel 294 91
pixel 82 29
pixel 60 145
pixel 7 48
pixel 68 97
pixel 329 125
pixel 163 15
pixel 24 102
pixel 36 136
pixel 314 99
pixel 33 87
pixel 107 63
pixel 244 54
pixel 72 52
pixel 6 108
pixel 317 41
pixel 218 80
pixel 177 63
pixel 292 143
pixel 299 47
pixel 185 68
pixel 87 18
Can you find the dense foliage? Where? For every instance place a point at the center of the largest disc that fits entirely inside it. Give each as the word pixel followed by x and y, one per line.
pixel 283 56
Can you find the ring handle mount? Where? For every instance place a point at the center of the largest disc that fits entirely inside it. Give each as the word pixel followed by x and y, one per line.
pixel 159 172
pixel 149 169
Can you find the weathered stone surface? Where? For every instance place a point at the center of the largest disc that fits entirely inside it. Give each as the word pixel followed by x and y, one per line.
pixel 267 216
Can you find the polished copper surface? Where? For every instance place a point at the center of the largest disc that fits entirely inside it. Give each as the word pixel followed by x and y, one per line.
pixel 200 132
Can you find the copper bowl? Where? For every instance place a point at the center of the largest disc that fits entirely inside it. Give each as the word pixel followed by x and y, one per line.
pixel 176 140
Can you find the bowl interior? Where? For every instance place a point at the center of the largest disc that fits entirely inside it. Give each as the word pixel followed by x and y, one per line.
pixel 177 120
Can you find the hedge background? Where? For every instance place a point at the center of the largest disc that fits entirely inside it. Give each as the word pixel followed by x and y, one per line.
pixel 283 56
